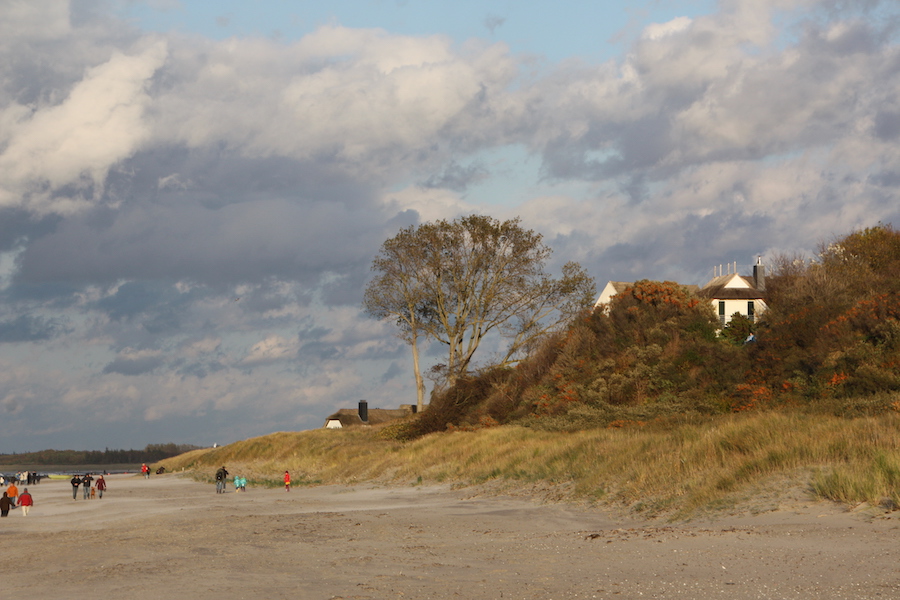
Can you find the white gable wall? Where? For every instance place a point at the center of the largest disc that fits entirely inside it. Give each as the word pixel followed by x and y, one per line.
pixel 737 281
pixel 606 295
pixel 737 306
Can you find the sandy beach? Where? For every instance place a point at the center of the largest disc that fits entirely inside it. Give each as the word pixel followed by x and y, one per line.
pixel 172 536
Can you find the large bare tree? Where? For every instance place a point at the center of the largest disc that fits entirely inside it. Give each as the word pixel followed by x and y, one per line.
pixel 459 281
pixel 397 293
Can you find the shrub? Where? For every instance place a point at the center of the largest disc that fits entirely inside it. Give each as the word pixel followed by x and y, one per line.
pixel 830 338
pixel 833 324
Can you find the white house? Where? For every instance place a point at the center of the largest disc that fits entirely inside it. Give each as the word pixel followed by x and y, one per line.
pixel 729 294
pixel 732 293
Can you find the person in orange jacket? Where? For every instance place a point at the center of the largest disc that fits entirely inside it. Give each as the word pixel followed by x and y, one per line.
pixel 13 492
pixel 287 481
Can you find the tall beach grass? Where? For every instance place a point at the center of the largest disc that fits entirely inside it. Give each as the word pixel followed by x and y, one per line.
pixel 657 468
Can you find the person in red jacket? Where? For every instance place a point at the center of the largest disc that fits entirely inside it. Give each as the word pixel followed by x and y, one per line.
pixel 25 502
pixel 287 481
pixel 101 486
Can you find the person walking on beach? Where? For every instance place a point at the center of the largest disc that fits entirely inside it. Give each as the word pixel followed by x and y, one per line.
pixel 75 481
pixel 221 478
pixel 145 470
pixel 101 486
pixel 86 485
pixel 287 481
pixel 25 502
pixel 5 504
pixel 12 491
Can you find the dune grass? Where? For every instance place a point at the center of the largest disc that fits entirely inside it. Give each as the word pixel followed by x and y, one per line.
pixel 677 470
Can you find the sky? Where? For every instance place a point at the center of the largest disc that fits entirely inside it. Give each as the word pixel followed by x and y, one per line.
pixel 192 193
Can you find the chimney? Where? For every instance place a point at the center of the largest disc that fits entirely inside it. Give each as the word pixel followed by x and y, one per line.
pixel 363 411
pixel 759 275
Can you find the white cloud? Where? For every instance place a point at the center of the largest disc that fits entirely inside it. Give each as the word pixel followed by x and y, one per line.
pixel 76 142
pixel 33 20
pixel 357 96
pixel 272 349
pixel 429 203
pixel 656 31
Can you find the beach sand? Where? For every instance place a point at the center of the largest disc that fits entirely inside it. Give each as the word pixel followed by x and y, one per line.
pixel 171 536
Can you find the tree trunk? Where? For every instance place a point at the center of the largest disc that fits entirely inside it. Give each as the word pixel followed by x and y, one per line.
pixel 420 381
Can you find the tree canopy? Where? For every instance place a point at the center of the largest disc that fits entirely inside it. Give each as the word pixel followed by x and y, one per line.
pixel 460 281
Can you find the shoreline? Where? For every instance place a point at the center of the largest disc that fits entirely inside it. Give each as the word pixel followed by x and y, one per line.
pixel 71 469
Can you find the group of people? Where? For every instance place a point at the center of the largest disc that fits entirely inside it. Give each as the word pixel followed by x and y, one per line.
pixel 12 499
pixel 26 477
pixel 88 487
pixel 240 482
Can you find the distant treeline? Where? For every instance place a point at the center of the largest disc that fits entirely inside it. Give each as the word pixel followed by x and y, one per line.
pixel 152 453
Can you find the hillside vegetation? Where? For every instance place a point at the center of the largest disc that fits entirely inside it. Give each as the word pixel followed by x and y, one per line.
pixel 646 405
pixel 829 343
pixel 679 470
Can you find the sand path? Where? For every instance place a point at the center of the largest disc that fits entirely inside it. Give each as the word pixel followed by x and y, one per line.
pixel 171 536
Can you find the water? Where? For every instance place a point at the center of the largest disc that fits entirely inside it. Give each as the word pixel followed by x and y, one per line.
pixel 68 470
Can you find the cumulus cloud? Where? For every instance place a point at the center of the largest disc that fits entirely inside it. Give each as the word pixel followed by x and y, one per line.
pixel 357 98
pixel 56 158
pixel 656 31
pixel 35 20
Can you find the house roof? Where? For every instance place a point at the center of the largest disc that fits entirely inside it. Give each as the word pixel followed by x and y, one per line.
pixel 731 287
pixel 620 286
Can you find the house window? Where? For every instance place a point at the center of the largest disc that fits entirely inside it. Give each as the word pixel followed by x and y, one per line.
pixel 750 307
pixel 722 312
